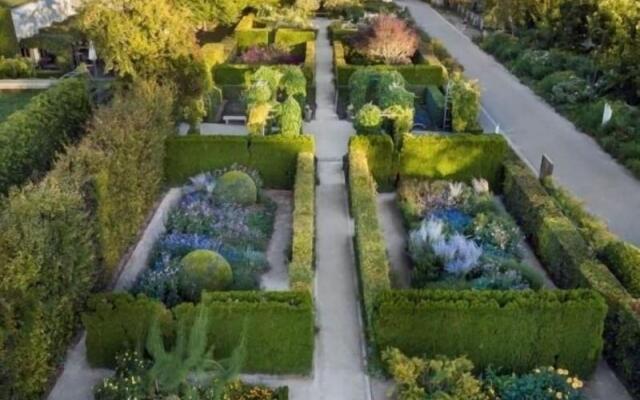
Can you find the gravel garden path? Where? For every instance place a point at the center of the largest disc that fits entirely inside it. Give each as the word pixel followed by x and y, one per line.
pixel 534 128
pixel 277 278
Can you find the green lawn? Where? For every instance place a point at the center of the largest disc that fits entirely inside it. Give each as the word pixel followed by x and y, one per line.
pixel 11 101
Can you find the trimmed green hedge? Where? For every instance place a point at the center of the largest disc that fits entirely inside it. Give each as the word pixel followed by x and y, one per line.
pixel 379 150
pixel 457 157
pixel 274 157
pixel 304 218
pixel 31 137
pixel 279 327
pixel 415 74
pixel 292 37
pixel 624 261
pixel 371 253
pixel 517 331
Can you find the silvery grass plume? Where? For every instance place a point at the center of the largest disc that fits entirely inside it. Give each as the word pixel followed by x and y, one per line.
pixel 455 191
pixel 480 186
pixel 204 182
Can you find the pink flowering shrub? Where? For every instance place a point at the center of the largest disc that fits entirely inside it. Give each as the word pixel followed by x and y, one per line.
pixel 387 39
pixel 269 55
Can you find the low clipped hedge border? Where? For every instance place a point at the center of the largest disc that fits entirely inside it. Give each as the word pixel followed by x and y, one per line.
pixel 514 330
pixel 370 250
pixel 421 75
pixel 302 247
pixel 385 320
pixel 274 157
pixel 279 327
pixel 31 137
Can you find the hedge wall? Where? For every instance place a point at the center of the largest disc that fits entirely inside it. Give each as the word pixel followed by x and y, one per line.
pixel 415 74
pixel 31 137
pixel 292 37
pixel 624 261
pixel 302 248
pixel 371 253
pixel 275 157
pixel 457 157
pixel 379 150
pixel 279 327
pixel 514 330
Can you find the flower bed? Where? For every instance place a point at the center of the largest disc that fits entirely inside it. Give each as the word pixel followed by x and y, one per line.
pixel 233 222
pixel 514 329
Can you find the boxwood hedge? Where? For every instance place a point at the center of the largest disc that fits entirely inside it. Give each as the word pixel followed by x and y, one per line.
pixel 302 248
pixel 278 327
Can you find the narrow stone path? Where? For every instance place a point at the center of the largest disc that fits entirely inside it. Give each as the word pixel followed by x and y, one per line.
pixel 339 359
pixel 395 238
pixel 535 128
pixel 277 278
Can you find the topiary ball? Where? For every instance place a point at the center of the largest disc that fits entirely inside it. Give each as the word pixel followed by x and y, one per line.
pixel 203 270
pixel 236 187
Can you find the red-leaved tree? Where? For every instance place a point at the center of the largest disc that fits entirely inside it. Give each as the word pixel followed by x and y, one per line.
pixel 387 39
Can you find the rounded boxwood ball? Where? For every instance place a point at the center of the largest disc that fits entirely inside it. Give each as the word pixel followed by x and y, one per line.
pixel 203 270
pixel 236 187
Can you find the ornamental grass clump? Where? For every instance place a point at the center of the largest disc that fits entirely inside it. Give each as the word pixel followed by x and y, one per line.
pixel 387 39
pixel 461 238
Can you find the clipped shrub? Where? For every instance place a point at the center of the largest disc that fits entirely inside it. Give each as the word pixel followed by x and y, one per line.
pixel 290 117
pixel 293 82
pixel 623 259
pixel 368 120
pixel 515 330
pixel 203 270
pixel 31 137
pixel 236 187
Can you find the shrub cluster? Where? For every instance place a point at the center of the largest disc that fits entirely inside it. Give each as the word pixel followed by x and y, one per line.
pixel 15 68
pixel 30 138
pixel 514 330
pixel 279 327
pixel 301 266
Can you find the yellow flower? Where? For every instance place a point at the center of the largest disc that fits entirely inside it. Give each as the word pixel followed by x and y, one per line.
pixel 558 395
pixel 563 371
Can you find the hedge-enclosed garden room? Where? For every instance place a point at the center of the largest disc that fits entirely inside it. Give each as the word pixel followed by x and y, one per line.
pixel 318 200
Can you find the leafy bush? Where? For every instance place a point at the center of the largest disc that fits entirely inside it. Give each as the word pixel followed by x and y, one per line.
pixel 387 39
pixel 502 45
pixel 290 117
pixel 565 87
pixel 542 383
pixel 465 103
pixel 15 68
pixel 417 378
pixel 369 120
pixel 516 330
pixel 30 138
pixel 203 270
pixel 236 187
pixel 302 247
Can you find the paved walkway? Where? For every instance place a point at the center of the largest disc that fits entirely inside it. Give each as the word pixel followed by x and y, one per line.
pixel 535 128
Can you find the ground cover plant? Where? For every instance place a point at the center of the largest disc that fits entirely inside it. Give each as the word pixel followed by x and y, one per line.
pixel 455 378
pixel 215 239
pixel 460 238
